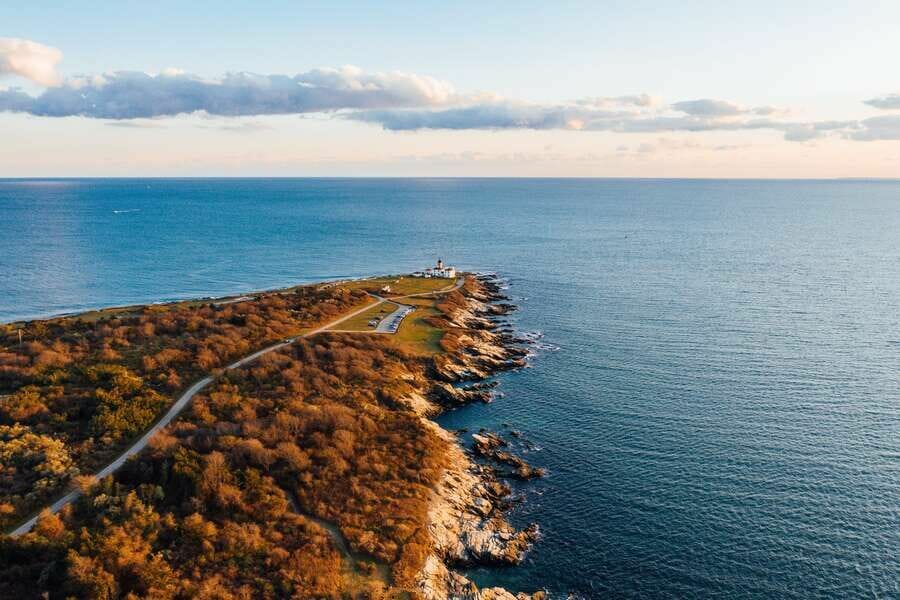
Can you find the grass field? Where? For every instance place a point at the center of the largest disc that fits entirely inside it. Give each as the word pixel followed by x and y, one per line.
pixel 414 335
pixel 400 285
pixel 418 336
pixel 361 321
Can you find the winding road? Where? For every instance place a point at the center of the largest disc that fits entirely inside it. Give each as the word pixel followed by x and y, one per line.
pixel 192 391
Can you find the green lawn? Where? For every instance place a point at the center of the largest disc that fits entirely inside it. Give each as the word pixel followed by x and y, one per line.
pixel 414 335
pixel 400 285
pixel 418 336
pixel 361 321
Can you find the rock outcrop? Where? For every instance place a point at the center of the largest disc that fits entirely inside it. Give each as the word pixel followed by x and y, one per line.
pixel 465 520
pixel 439 583
pixel 488 445
pixel 449 396
pixel 467 528
pixel 484 353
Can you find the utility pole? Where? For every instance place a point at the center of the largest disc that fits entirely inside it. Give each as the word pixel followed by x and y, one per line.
pixel 20 337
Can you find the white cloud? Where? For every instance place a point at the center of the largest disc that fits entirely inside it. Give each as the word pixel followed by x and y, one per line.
pixel 396 101
pixel 132 95
pixel 518 115
pixel 888 102
pixel 769 111
pixel 136 124
pixel 708 108
pixel 636 100
pixel 802 133
pixel 877 128
pixel 29 60
pixel 498 115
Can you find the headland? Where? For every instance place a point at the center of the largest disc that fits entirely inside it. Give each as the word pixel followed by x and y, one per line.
pixel 275 444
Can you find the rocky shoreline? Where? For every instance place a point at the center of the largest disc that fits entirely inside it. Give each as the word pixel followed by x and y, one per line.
pixel 466 518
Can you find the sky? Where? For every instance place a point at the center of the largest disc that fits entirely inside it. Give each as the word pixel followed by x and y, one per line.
pixel 581 89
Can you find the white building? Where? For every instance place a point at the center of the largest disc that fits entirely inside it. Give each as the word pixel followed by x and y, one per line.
pixel 441 270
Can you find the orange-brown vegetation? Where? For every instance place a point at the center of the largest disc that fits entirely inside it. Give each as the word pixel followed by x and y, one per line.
pixel 74 391
pixel 256 490
pixel 216 507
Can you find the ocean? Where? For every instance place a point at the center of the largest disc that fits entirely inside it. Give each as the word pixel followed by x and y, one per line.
pixel 715 390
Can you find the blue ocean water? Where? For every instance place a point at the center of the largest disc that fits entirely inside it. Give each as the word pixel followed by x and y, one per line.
pixel 716 393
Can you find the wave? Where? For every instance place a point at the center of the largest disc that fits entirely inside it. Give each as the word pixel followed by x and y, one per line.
pixel 547 347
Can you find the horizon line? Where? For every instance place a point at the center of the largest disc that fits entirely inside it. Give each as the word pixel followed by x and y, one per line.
pixel 461 177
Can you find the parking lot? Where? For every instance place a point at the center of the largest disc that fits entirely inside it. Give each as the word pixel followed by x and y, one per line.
pixel 391 323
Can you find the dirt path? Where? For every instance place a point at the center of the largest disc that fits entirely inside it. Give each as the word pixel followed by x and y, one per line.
pixel 353 559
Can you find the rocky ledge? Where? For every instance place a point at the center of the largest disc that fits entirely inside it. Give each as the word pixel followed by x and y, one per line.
pixel 476 347
pixel 467 527
pixel 466 519
pixel 489 445
pixel 449 396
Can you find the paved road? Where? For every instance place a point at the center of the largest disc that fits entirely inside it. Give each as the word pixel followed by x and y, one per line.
pixel 187 396
pixel 173 412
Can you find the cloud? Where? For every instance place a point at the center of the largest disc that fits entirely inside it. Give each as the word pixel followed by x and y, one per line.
pixel 877 128
pixel 239 126
pixel 637 100
pixel 664 144
pixel 500 115
pixel 768 111
pixel 517 115
pixel 132 95
pixel 520 115
pixel 888 102
pixel 396 101
pixel 29 60
pixel 802 133
pixel 135 124
pixel 708 108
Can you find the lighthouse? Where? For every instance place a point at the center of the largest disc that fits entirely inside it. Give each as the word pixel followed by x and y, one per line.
pixel 441 270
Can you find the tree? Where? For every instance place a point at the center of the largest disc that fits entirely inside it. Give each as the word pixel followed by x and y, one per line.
pixel 49 525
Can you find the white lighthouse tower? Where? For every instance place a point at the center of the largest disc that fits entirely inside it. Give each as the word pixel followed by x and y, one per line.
pixel 441 270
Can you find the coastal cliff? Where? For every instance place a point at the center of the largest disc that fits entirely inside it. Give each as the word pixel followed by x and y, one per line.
pixel 465 520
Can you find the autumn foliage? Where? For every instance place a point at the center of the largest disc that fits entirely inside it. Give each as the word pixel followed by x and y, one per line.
pixel 74 391
pixel 301 475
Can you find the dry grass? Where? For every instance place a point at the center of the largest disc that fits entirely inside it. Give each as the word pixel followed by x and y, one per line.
pixel 401 285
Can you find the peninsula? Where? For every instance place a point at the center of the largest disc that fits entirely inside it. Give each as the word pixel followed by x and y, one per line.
pixel 276 444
